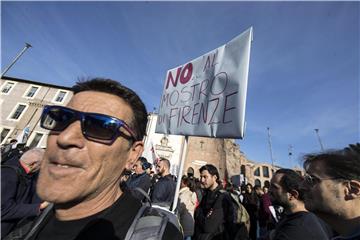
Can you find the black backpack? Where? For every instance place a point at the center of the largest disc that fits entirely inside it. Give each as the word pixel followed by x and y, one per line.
pixel 151 220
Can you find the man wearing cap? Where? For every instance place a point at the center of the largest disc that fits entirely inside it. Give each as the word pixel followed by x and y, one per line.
pixel 140 179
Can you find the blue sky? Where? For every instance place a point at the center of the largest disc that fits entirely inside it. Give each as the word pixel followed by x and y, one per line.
pixel 304 66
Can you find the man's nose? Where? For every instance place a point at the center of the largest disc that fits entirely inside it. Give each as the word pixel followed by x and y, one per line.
pixel 71 136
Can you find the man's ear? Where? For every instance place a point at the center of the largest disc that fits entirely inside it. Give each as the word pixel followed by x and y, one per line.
pixel 293 194
pixel 134 153
pixel 353 189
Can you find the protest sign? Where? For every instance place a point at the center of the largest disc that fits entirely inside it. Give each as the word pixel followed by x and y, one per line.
pixel 207 96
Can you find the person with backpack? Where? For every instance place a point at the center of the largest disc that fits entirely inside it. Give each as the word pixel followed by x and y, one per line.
pixel 215 214
pixel 18 194
pixel 91 141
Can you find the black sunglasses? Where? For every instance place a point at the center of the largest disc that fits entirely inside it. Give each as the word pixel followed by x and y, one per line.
pixel 94 126
pixel 312 180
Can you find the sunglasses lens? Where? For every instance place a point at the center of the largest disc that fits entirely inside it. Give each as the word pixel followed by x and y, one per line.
pixel 56 118
pixel 100 127
pixel 308 179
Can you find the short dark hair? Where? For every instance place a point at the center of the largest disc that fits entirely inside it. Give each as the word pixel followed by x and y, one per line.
pixel 342 164
pixel 190 172
pixel 139 120
pixel 291 180
pixel 144 163
pixel 189 182
pixel 212 171
pixel 166 161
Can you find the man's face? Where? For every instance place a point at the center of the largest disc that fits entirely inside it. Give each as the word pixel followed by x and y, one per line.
pixel 138 167
pixel 248 189
pixel 259 191
pixel 207 180
pixel 277 194
pixel 75 169
pixel 323 195
pixel 160 168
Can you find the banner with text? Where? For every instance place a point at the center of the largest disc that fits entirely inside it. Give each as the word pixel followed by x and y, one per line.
pixel 207 96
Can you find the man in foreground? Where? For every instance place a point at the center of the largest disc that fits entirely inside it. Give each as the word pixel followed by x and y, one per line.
pixel 332 189
pixel 92 140
pixel 297 223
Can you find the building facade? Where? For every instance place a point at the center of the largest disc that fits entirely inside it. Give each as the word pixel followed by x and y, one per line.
pixel 21 107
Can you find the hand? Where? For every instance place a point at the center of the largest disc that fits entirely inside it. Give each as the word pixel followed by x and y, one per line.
pixel 43 205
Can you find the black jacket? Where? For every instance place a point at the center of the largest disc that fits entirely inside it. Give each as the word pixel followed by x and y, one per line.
pixel 214 216
pixel 164 190
pixel 142 181
pixel 18 197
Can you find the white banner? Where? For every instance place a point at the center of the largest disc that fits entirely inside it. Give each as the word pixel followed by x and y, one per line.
pixel 207 96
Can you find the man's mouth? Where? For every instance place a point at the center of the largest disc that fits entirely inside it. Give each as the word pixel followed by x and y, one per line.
pixel 62 165
pixel 59 170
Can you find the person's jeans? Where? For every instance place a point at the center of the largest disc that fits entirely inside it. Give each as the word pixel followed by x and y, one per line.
pixel 187 238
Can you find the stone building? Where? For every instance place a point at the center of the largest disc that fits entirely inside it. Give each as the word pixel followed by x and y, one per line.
pixel 21 106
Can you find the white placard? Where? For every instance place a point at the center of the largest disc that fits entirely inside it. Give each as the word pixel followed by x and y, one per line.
pixel 207 96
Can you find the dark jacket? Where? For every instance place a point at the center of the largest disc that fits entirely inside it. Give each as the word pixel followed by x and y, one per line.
pixel 264 210
pixel 18 197
pixel 301 225
pixel 164 190
pixel 142 181
pixel 214 216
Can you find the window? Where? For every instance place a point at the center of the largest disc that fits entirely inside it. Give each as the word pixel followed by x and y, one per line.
pixel 32 91
pixel 257 182
pixel 7 87
pixel 243 170
pixel 19 110
pixel 34 143
pixel 4 133
pixel 257 172
pixel 265 170
pixel 60 96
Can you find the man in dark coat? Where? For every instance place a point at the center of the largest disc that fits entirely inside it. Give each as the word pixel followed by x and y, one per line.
pixel 18 190
pixel 140 179
pixel 214 216
pixel 251 203
pixel 164 189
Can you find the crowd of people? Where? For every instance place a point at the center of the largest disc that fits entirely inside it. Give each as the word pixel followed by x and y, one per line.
pixel 92 183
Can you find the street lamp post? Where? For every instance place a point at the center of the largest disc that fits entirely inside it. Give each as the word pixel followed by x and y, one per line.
pixel 27 46
pixel 319 139
pixel 271 152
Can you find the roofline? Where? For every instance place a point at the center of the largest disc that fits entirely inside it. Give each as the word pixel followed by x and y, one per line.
pixel 34 82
